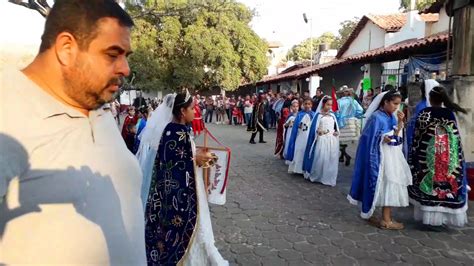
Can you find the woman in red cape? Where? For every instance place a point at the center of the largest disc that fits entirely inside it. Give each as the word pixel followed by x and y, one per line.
pixel 198 123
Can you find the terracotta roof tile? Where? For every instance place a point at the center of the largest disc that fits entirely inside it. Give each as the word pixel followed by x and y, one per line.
pixel 389 23
pixel 430 17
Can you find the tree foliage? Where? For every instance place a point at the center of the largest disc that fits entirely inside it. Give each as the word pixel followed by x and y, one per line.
pixel 420 4
pixel 345 31
pixel 195 43
pixel 303 50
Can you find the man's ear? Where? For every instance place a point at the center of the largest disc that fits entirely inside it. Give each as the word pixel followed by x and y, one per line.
pixel 66 48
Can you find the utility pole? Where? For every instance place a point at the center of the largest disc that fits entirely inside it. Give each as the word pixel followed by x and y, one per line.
pixel 310 20
pixel 463 70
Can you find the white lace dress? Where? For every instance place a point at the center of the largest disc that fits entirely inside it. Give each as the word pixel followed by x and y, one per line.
pixel 394 177
pixel 326 153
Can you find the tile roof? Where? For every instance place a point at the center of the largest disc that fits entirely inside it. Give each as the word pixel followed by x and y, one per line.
pixel 389 23
pixel 385 54
pixel 430 17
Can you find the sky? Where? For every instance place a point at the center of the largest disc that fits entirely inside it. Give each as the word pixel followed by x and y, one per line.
pixel 282 20
pixel 276 20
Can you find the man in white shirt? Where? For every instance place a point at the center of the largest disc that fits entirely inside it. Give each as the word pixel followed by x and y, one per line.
pixel 69 188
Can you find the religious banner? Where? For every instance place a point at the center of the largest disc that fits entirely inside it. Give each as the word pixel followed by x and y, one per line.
pixel 216 174
pixel 217 177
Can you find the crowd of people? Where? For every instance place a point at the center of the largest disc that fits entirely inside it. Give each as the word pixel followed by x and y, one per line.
pixel 420 163
pixel 314 133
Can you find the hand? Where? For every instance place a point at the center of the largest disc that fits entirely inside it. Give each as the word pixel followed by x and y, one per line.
pixel 203 157
pixel 400 116
pixel 387 139
pixel 336 133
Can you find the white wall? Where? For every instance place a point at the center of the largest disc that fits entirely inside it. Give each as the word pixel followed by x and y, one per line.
pixel 407 32
pixel 442 24
pixel 370 37
pixel 277 56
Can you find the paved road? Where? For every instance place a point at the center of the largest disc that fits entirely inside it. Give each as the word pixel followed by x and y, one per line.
pixel 274 218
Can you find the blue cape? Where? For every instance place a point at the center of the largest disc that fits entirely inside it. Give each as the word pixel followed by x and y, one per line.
pixel 309 153
pixel 411 124
pixel 367 164
pixel 294 133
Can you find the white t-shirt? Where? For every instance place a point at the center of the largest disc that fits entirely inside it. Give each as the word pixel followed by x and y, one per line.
pixel 248 107
pixel 72 187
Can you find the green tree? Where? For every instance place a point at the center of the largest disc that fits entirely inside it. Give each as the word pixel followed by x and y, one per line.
pixel 195 43
pixel 302 51
pixel 420 4
pixel 345 31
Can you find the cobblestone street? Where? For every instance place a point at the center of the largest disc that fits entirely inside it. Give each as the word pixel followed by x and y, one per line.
pixel 274 218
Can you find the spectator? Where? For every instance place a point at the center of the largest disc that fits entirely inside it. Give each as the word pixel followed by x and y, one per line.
pixel 367 100
pixel 209 109
pixel 248 109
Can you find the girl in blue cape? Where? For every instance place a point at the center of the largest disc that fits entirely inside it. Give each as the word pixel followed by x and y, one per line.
pixel 295 106
pixel 299 137
pixel 381 175
pixel 322 148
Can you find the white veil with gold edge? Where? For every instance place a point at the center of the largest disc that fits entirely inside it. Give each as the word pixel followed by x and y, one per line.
pixel 150 140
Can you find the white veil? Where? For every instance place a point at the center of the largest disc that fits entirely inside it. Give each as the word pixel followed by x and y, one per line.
pixel 374 106
pixel 320 105
pixel 150 139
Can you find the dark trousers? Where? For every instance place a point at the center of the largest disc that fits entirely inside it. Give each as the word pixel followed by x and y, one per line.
pixel 273 119
pixel 209 114
pixel 229 115
pixel 260 131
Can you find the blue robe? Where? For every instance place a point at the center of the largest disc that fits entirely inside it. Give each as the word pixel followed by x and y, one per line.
pixel 171 210
pixel 309 153
pixel 141 125
pixel 367 163
pixel 294 133
pixel 348 108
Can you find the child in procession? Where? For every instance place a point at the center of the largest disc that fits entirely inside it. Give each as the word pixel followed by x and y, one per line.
pixel 381 175
pixel 299 137
pixel 322 148
pixel 295 106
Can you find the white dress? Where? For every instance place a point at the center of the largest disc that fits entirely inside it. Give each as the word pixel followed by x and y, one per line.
pixel 289 122
pixel 326 154
pixel 202 250
pixel 394 177
pixel 296 166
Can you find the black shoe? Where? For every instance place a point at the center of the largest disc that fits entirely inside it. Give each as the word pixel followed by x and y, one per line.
pixel 252 142
pixel 348 160
pixel 262 141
